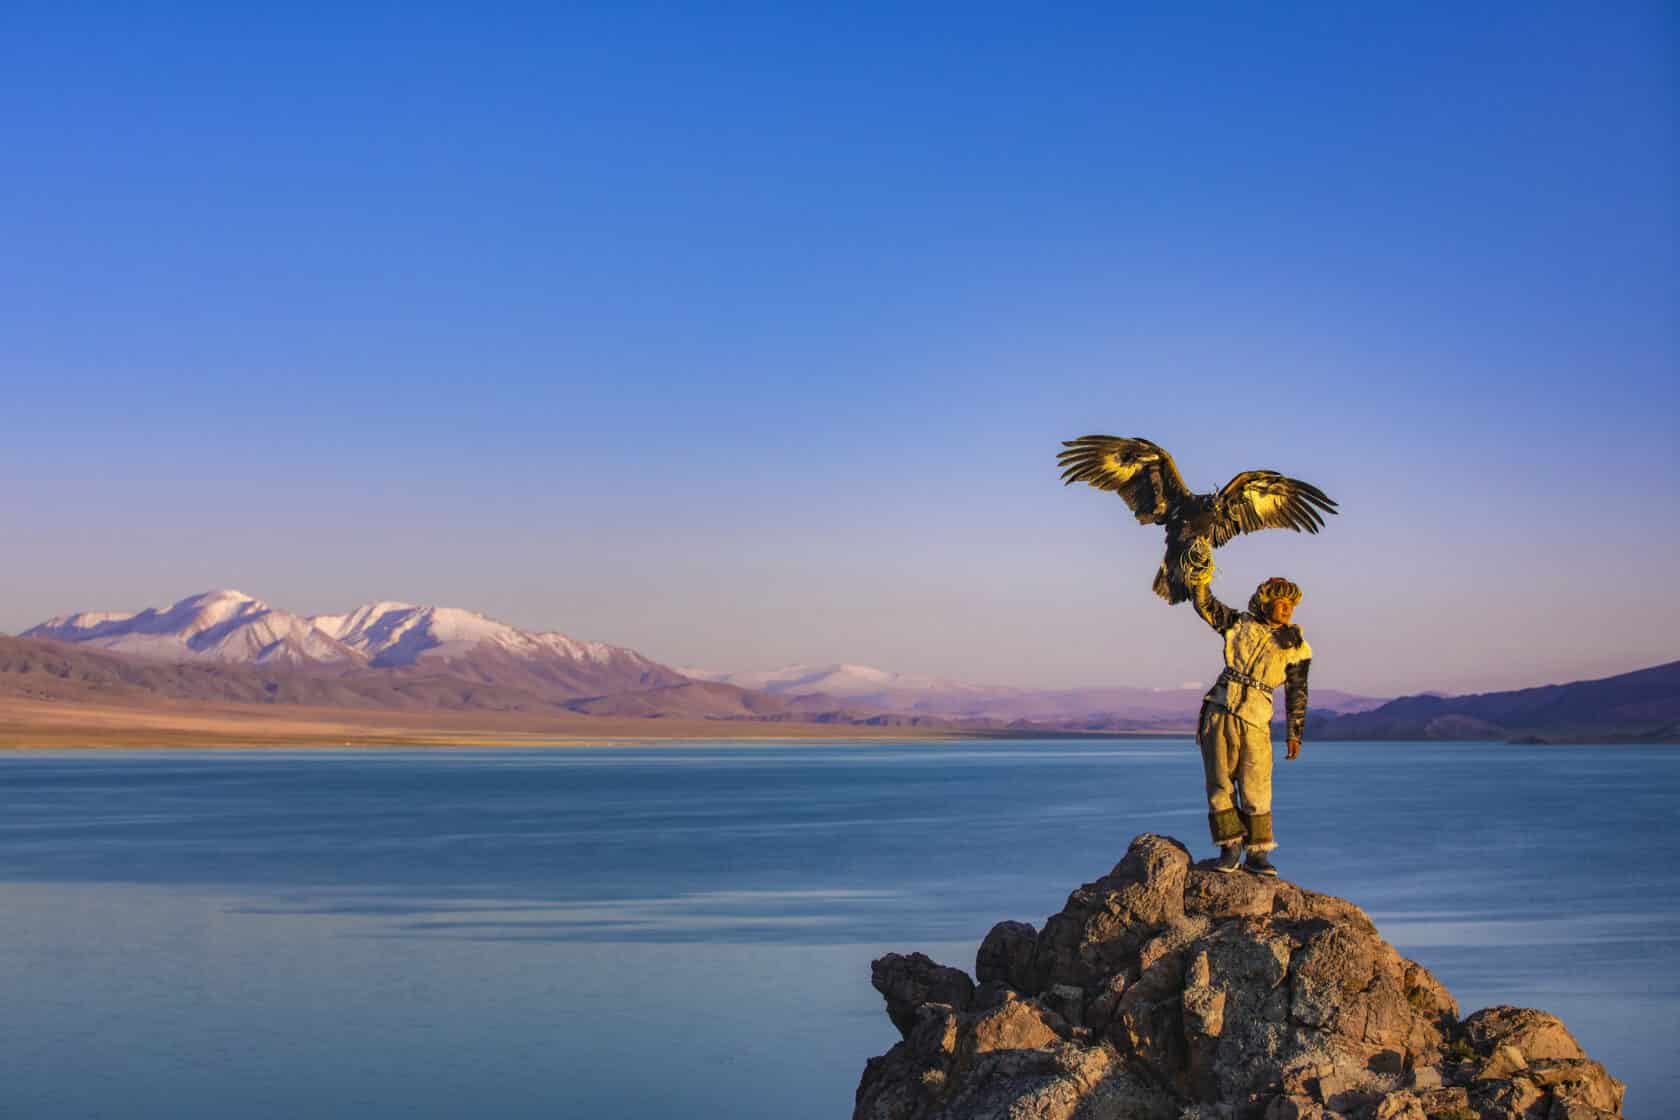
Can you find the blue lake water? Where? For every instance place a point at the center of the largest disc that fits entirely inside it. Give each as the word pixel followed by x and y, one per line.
pixel 687 930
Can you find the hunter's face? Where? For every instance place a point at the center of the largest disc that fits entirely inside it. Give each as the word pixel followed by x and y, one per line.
pixel 1279 611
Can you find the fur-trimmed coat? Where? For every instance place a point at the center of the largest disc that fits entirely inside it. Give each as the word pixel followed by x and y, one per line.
pixel 1255 650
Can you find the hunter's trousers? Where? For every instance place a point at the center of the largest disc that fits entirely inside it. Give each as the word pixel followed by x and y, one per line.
pixel 1237 763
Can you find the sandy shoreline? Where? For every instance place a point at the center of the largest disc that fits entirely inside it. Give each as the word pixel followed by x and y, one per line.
pixel 50 725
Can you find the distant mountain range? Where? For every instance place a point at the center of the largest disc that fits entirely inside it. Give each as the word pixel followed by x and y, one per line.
pixel 226 646
pixel 232 626
pixel 1114 708
pixel 404 640
pixel 1640 706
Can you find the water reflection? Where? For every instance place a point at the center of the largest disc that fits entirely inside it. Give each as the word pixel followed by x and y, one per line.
pixel 704 916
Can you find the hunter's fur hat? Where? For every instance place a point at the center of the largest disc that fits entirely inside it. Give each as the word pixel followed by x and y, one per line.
pixel 1275 588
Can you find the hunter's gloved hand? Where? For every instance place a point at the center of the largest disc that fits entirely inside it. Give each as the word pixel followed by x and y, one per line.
pixel 1197 565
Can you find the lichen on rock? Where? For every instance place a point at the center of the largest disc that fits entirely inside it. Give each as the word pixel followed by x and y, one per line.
pixel 1165 990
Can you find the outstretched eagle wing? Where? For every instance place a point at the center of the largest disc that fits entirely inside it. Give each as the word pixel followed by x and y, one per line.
pixel 1139 471
pixel 1256 500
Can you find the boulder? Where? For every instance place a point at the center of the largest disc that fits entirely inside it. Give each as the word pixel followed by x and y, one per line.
pixel 1105 922
pixel 1534 1034
pixel 1165 989
pixel 1006 955
pixel 908 982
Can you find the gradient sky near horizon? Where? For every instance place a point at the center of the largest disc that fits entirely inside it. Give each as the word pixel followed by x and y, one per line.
pixel 745 334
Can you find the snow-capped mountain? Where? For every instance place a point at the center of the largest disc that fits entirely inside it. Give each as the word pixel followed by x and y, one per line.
pixel 215 626
pixel 230 626
pixel 390 634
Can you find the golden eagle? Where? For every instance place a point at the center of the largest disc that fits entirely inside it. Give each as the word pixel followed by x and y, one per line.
pixel 1144 475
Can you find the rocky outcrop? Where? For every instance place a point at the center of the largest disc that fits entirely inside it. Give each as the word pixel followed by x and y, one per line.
pixel 1167 991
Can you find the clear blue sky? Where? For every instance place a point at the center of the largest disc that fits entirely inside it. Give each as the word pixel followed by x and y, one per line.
pixel 746 334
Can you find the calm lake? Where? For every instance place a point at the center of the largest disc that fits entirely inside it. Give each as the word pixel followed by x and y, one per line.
pixel 687 930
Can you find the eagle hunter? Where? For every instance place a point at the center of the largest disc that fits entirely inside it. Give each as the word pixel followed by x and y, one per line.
pixel 1144 475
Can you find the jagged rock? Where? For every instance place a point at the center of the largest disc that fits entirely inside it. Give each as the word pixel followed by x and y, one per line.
pixel 908 982
pixel 1399 1106
pixel 1164 990
pixel 1105 922
pixel 1583 1081
pixel 1058 1082
pixel 993 993
pixel 1017 1025
pixel 1013 1061
pixel 1229 896
pixel 1006 955
pixel 1534 1034
pixel 1452 1101
pixel 1099 1012
pixel 1067 1001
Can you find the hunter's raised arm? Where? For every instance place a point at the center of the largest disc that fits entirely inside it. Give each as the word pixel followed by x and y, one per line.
pixel 1213 612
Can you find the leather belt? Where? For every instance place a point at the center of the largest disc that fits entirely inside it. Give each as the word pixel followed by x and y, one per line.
pixel 1245 679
